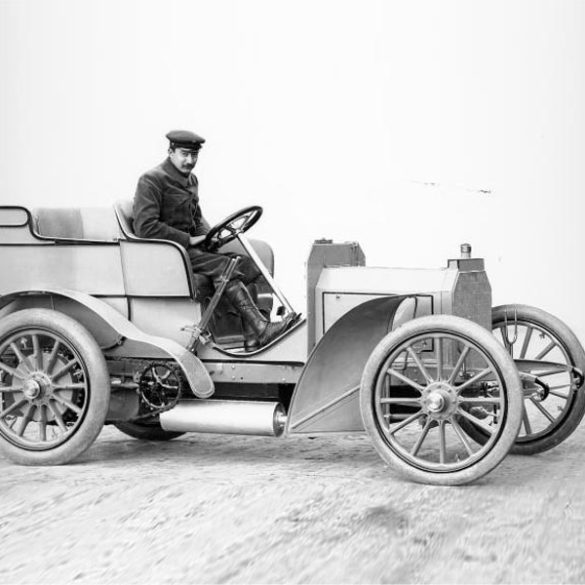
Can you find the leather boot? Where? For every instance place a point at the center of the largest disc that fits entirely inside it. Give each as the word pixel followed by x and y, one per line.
pixel 250 339
pixel 240 298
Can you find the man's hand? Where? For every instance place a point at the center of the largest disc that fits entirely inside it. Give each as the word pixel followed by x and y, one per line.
pixel 196 241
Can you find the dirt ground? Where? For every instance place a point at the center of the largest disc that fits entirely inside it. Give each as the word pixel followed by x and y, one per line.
pixel 220 509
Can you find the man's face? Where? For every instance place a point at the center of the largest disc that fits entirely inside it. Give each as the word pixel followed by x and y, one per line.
pixel 184 159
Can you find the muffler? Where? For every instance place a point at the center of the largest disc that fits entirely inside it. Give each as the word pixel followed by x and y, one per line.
pixel 236 417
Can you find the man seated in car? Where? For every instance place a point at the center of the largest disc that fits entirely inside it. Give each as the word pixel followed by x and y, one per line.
pixel 166 206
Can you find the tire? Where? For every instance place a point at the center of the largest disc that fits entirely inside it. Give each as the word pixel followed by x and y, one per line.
pixel 398 391
pixel 147 431
pixel 54 388
pixel 565 404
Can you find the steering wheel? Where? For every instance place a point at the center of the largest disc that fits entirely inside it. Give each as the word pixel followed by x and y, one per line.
pixel 228 229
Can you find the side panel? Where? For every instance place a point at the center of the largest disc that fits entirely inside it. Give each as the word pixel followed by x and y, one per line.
pixel 127 340
pixel 358 282
pixel 326 396
pixel 154 269
pixel 165 317
pixel 92 268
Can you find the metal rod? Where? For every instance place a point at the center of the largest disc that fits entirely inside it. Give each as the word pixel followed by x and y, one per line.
pixel 265 273
pixel 198 329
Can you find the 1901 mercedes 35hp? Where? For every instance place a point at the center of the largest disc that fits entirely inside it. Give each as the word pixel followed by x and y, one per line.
pixel 98 326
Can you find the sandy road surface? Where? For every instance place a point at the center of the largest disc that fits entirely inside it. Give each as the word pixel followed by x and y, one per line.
pixel 236 510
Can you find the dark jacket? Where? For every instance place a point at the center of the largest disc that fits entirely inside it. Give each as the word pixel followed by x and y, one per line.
pixel 166 205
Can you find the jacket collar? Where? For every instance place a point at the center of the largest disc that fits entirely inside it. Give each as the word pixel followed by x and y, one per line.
pixel 171 170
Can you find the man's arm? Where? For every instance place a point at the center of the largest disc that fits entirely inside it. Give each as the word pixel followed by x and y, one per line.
pixel 202 227
pixel 147 206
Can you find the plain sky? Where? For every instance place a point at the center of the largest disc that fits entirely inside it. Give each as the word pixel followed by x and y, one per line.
pixel 409 126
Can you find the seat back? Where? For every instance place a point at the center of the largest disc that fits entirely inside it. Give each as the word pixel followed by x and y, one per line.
pixel 125 215
pixel 76 223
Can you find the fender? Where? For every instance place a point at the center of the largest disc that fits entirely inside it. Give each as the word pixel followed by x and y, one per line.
pixel 326 397
pixel 109 326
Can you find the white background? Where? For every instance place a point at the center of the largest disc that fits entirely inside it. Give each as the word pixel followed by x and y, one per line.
pixel 377 121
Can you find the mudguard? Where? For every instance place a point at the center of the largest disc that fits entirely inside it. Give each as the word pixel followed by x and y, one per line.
pixel 104 322
pixel 326 398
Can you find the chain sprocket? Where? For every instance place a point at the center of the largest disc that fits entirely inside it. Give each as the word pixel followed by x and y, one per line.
pixel 160 386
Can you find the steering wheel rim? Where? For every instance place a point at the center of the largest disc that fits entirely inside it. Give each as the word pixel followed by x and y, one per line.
pixel 228 229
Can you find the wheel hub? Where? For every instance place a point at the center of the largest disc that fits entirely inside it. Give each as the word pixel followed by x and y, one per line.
pixel 37 388
pixel 31 389
pixel 439 400
pixel 435 402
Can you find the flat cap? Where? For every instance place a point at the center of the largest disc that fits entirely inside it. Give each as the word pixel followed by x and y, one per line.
pixel 185 139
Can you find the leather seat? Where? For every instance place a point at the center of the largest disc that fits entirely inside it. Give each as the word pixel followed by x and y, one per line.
pixel 202 284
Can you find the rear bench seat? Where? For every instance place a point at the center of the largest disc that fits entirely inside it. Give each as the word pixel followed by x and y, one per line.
pixel 105 224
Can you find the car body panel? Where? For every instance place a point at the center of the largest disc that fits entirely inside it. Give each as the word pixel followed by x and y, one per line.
pixel 117 335
pixel 325 398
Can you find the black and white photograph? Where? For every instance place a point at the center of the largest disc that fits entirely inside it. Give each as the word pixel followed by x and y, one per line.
pixel 292 292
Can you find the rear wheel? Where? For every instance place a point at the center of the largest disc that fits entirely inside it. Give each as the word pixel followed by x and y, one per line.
pixel 54 387
pixel 419 383
pixel 541 341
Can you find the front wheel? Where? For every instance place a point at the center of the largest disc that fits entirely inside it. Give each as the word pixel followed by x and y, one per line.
pixel 421 381
pixel 54 388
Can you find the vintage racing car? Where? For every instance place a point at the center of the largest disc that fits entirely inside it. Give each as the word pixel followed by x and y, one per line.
pixel 98 326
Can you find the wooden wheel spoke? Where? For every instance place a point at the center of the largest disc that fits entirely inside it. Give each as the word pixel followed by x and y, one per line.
pixel 548 373
pixel 66 368
pixel 58 417
pixel 52 357
pixel 526 423
pixel 25 420
pixel 406 422
pixel 458 365
pixel 37 353
pixel 442 443
pixel 526 342
pixel 546 350
pixel 42 423
pixel 421 439
pixel 476 421
pixel 68 403
pixel 10 371
pixel 439 357
pixel 10 388
pixel 479 400
pixel 543 410
pixel 568 386
pixel 21 357
pixel 405 379
pixel 419 365
pixel 72 386
pixel 400 400
pixel 550 391
pixel 473 380
pixel 461 435
pixel 12 408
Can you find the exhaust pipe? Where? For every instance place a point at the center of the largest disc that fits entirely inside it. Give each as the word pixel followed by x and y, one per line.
pixel 236 417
